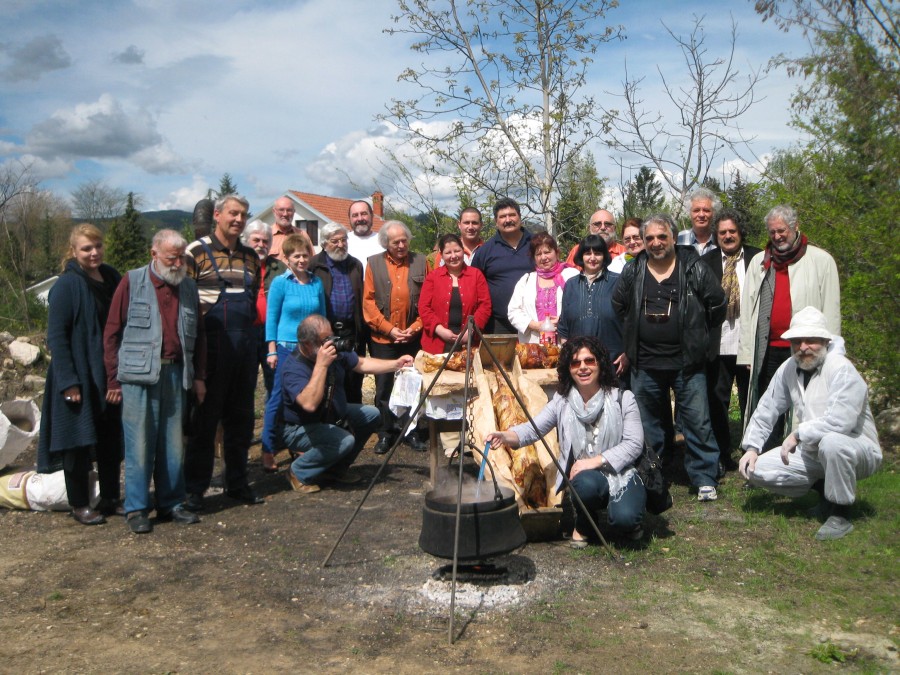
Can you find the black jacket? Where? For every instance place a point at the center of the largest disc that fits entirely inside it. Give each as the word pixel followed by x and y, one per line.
pixel 701 305
pixel 318 265
pixel 713 258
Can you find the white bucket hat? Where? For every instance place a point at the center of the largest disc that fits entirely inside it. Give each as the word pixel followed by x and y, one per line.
pixel 809 322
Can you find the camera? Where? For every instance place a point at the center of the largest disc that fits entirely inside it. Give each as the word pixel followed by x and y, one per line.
pixel 341 344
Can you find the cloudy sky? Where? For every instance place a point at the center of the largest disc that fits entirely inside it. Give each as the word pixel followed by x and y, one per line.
pixel 161 97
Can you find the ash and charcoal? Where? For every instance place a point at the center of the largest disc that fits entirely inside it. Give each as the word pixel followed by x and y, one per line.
pixel 500 584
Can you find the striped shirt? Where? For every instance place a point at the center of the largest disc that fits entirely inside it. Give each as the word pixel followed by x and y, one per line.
pixel 232 265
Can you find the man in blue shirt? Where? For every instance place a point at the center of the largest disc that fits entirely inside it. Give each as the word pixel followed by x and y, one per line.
pixel 316 412
pixel 504 259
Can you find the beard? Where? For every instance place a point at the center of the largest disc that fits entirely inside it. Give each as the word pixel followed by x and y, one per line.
pixel 337 254
pixel 811 361
pixel 172 275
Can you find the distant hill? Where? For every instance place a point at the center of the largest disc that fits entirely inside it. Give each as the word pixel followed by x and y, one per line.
pixel 172 218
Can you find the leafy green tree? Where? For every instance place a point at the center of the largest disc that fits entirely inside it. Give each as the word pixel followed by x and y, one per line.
pixel 846 189
pixel 126 245
pixel 642 195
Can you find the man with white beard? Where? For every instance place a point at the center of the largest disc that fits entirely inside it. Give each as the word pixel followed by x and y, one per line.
pixel 833 426
pixel 342 279
pixel 155 350
pixel 362 241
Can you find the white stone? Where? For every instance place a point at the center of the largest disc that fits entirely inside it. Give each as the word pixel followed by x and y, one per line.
pixel 6 336
pixel 35 382
pixel 24 353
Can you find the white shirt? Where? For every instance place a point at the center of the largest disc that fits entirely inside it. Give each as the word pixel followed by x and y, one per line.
pixel 731 331
pixel 362 247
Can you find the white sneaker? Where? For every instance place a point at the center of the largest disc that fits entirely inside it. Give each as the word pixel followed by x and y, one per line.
pixel 707 493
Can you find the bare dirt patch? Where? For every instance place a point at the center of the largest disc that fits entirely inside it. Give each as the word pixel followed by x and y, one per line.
pixel 244 592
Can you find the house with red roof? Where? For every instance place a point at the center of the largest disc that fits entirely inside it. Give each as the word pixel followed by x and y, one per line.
pixel 313 211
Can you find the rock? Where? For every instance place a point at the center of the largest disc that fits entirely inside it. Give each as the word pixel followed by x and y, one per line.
pixel 24 353
pixel 888 424
pixel 8 364
pixel 35 382
pixel 6 336
pixel 24 338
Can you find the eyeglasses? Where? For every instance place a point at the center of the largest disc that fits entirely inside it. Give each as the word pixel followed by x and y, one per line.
pixel 284 210
pixel 338 241
pixel 657 318
pixel 604 224
pixel 587 360
pixel 628 240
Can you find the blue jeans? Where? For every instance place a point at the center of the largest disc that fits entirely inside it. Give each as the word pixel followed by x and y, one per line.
pixel 272 429
pixel 624 513
pixel 651 390
pixel 326 447
pixel 154 445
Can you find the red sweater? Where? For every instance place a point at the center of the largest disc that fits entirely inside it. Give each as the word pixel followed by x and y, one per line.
pixel 434 303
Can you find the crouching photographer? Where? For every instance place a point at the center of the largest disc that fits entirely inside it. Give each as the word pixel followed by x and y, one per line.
pixel 316 411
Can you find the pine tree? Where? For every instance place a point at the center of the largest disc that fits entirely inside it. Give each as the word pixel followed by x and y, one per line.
pixel 580 194
pixel 126 244
pixel 643 195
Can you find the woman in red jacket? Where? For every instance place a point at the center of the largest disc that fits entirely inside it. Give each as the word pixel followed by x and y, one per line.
pixel 450 294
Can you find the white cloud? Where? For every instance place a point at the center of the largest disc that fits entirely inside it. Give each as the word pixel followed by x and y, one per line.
pixel 185 198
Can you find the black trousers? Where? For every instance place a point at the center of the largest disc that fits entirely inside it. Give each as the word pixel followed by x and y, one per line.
pixel 77 462
pixel 721 375
pixel 230 390
pixel 391 425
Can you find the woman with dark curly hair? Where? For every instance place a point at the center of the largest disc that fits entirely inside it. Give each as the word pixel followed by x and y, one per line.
pixel 600 437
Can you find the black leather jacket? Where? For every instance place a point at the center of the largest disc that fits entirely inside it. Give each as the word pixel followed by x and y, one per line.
pixel 701 305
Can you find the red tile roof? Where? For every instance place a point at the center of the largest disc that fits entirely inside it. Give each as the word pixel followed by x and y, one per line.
pixel 334 208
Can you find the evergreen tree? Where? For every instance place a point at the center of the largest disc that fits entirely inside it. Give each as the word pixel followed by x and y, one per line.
pixel 745 197
pixel 126 244
pixel 642 196
pixel 580 194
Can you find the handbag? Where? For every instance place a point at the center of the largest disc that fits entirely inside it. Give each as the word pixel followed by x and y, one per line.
pixel 649 468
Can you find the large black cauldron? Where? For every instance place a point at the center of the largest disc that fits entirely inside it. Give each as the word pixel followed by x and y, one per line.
pixel 489 522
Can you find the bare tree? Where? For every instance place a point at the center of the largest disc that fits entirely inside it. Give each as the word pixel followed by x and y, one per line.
pixel 701 125
pixel 96 201
pixel 17 185
pixel 500 107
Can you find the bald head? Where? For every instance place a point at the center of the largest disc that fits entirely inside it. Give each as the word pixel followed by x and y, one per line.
pixel 603 223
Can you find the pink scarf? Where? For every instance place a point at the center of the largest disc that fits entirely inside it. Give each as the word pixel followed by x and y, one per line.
pixel 554 273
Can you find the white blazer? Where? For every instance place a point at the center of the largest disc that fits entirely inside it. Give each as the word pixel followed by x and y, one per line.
pixel 521 310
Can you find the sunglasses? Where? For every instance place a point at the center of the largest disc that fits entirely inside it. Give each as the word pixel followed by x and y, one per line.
pixel 588 361
pixel 657 318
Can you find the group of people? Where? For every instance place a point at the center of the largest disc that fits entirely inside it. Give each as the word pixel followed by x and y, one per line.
pixel 689 316
pixel 661 313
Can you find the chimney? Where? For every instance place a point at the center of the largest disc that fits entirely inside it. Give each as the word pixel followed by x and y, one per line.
pixel 378 203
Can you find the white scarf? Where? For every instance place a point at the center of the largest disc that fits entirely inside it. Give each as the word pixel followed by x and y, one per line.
pixel 596 426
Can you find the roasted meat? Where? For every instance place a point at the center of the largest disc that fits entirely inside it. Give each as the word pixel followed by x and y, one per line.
pixel 457 362
pixel 526 467
pixel 532 355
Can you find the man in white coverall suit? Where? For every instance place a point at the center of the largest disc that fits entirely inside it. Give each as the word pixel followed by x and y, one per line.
pixel 833 428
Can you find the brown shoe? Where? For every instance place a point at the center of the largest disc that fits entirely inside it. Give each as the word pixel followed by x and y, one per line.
pixel 299 486
pixel 87 516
